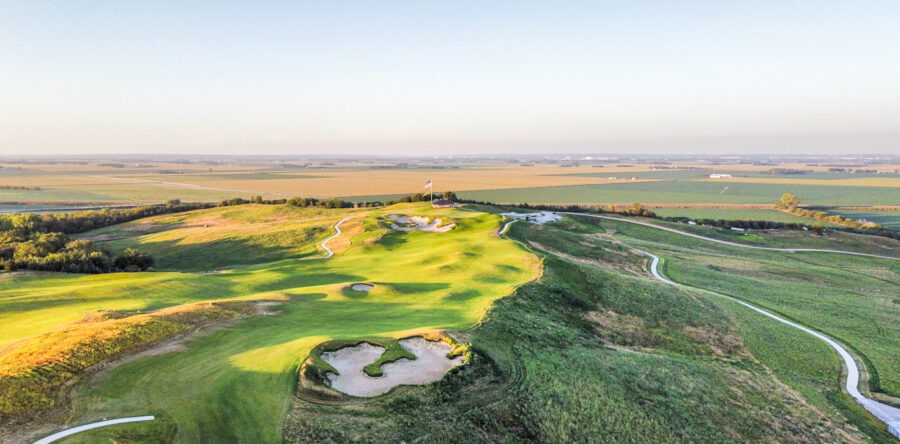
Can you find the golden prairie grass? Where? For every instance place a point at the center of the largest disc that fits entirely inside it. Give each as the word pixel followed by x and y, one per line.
pixel 33 371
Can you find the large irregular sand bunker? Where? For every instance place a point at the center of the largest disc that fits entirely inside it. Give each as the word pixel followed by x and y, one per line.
pixel 430 365
pixel 535 218
pixel 420 223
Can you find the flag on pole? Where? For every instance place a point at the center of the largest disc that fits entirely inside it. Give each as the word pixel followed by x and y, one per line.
pixel 427 184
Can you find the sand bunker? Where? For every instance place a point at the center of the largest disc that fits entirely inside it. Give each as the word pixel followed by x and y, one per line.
pixel 430 365
pixel 362 287
pixel 535 218
pixel 420 223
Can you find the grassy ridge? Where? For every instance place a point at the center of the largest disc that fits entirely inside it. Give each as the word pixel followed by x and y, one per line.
pixel 208 239
pixel 33 371
pixel 539 372
pixel 732 214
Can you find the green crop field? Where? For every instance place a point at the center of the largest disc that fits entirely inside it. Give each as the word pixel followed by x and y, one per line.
pixel 675 192
pixel 890 219
pixel 732 214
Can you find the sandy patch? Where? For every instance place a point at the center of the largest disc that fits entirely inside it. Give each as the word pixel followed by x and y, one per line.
pixel 535 218
pixel 430 365
pixel 137 227
pixel 362 287
pixel 420 223
pixel 262 307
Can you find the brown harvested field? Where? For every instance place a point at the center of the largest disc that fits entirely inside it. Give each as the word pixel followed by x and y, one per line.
pixel 349 183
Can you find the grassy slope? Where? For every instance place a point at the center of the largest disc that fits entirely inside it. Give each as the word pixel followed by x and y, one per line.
pixel 234 385
pixel 673 370
pixel 849 298
pixel 208 239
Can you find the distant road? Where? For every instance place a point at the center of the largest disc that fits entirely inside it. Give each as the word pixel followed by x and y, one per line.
pixel 733 244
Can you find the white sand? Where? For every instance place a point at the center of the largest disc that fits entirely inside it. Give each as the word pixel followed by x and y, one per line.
pixel 535 218
pixel 362 287
pixel 421 223
pixel 430 365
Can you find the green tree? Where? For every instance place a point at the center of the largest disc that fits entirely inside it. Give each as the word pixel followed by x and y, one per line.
pixel 818 228
pixel 788 202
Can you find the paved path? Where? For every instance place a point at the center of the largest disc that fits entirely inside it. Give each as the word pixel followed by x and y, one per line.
pixel 68 432
pixel 734 244
pixel 506 227
pixel 888 414
pixel 337 229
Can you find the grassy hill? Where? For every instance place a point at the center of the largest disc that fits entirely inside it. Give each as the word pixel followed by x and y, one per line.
pixel 571 339
pixel 222 237
pixel 236 384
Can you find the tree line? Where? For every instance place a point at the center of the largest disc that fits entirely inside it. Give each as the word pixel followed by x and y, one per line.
pixel 791 204
pixel 19 188
pixel 41 242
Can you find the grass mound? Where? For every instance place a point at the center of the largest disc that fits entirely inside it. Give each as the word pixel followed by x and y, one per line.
pixel 313 374
pixel 222 237
pixel 33 371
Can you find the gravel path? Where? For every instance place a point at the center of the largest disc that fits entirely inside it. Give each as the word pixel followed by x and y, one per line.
pixel 337 229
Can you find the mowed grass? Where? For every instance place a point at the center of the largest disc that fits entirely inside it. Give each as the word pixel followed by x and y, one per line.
pixel 220 237
pixel 236 384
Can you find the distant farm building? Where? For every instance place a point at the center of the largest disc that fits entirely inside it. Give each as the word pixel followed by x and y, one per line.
pixel 442 203
pixel 719 176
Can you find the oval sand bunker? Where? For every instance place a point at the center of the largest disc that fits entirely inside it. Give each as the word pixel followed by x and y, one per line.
pixel 362 287
pixel 430 365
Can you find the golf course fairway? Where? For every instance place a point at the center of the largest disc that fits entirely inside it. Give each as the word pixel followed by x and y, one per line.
pixel 234 383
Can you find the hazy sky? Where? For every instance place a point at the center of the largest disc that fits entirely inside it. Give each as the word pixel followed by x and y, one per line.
pixel 449 77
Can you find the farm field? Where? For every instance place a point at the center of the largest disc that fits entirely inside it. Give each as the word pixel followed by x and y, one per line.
pixel 890 219
pixel 495 182
pixel 732 214
pixel 682 192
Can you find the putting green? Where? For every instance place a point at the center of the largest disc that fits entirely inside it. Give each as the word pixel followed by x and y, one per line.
pixel 235 384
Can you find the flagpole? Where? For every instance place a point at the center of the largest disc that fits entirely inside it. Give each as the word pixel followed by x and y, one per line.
pixel 431 191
